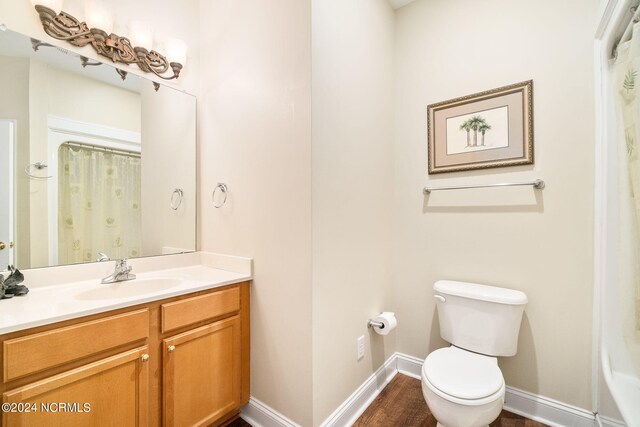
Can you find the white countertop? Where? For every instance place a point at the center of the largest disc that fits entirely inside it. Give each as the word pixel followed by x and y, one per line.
pixel 44 304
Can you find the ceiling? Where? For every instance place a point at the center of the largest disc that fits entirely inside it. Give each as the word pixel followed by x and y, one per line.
pixel 397 4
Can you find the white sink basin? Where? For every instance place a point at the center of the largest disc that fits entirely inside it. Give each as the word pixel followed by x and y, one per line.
pixel 130 288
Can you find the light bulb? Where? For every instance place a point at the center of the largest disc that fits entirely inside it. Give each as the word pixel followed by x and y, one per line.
pixel 75 8
pixel 140 34
pixel 97 15
pixel 55 5
pixel 176 50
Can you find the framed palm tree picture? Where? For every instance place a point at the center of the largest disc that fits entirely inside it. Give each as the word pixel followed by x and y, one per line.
pixel 485 130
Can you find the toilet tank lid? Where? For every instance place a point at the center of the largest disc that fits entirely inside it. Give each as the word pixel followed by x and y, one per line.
pixel 480 292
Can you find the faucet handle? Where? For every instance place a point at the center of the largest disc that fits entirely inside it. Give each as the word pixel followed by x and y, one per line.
pixel 121 263
pixel 102 257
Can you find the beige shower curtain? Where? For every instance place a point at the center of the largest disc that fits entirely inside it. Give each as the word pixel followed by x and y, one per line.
pixel 627 89
pixel 98 203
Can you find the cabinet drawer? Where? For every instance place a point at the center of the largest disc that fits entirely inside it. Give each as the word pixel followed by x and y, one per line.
pixel 193 310
pixel 34 353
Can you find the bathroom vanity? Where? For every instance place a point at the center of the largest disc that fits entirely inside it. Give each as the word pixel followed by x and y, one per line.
pixel 179 358
pixel 170 347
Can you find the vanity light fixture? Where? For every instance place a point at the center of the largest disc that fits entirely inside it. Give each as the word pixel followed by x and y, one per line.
pixel 63 26
pixel 84 61
pixel 37 44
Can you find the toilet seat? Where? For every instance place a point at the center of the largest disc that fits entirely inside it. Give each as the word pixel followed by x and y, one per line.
pixel 462 376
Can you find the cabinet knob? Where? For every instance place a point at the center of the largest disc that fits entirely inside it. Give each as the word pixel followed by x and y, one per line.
pixel 145 357
pixel 171 348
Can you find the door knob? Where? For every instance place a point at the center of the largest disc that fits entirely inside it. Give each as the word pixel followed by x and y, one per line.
pixel 2 245
pixel 145 357
pixel 171 348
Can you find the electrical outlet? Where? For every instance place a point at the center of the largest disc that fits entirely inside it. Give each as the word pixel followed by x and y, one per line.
pixel 361 347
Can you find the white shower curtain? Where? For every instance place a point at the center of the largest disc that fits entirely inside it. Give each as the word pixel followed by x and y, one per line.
pixel 627 89
pixel 99 205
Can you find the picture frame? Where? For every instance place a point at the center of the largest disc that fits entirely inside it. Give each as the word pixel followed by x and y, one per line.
pixel 489 129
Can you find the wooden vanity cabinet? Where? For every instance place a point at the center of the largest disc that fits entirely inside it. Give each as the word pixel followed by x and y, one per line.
pixel 201 374
pixel 182 361
pixel 110 391
pixel 202 365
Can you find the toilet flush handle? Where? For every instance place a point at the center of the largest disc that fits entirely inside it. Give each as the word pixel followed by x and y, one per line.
pixel 440 298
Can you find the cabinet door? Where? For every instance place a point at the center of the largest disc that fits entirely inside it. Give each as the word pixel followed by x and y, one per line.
pixel 201 374
pixel 109 392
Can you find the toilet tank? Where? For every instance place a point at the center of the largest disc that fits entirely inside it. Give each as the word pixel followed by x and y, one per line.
pixel 480 318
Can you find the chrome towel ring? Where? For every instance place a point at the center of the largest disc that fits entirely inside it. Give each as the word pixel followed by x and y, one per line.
pixel 176 198
pixel 33 167
pixel 223 189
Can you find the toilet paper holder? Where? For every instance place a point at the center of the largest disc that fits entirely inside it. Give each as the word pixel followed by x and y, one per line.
pixel 374 324
pixel 383 323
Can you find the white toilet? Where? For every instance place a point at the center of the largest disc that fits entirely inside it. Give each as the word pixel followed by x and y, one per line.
pixel 462 384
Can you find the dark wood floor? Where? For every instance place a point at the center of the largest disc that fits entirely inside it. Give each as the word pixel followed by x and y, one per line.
pixel 401 404
pixel 238 423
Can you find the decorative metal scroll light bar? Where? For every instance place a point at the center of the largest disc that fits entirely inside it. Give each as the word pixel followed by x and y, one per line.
pixel 63 26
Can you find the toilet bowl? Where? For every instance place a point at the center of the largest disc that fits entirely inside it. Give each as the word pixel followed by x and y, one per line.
pixel 461 388
pixel 462 384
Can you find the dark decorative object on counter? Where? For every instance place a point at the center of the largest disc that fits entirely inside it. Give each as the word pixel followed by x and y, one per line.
pixel 11 286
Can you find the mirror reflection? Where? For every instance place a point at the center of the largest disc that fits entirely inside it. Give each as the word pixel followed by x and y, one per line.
pixel 95 163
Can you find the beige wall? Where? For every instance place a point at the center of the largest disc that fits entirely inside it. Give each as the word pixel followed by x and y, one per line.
pixel 169 162
pixel 14 85
pixel 85 99
pixel 39 105
pixel 542 246
pixel 255 135
pixel 352 192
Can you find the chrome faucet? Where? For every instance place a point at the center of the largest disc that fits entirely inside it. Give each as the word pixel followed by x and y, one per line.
pixel 120 274
pixel 103 257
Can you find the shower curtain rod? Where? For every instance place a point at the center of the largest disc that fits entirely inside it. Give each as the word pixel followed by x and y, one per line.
pixel 628 32
pixel 104 149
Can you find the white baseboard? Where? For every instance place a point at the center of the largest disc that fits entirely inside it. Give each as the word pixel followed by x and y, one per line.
pixel 532 406
pixel 258 414
pixel 538 408
pixel 610 422
pixel 359 401
pixel 409 365
pixel 545 410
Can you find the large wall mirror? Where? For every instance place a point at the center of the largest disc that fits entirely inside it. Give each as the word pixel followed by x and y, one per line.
pixel 94 162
